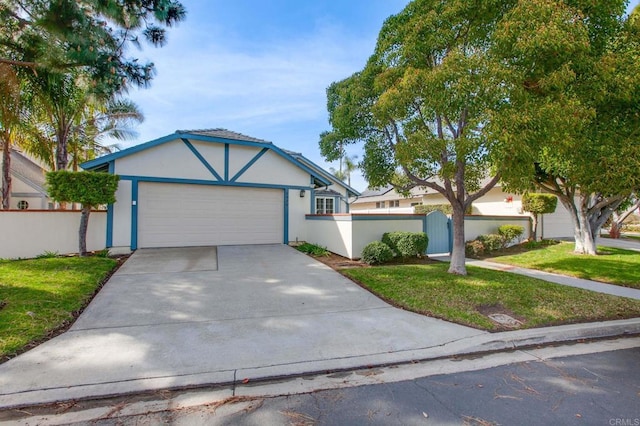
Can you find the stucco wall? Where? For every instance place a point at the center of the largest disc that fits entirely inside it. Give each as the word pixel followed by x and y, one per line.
pixel 298 208
pixel 333 232
pixel 122 215
pixel 347 235
pixel 480 225
pixel 27 234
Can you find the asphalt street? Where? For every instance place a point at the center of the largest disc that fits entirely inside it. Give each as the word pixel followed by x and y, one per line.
pixel 594 386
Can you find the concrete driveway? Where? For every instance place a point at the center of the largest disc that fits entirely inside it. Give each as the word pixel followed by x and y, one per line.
pixel 192 316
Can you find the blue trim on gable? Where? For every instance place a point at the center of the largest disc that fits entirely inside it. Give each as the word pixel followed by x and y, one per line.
pixel 226 162
pixel 134 215
pixel 326 174
pixel 317 177
pixel 209 182
pixel 249 164
pixel 285 237
pixel 201 158
pixel 125 152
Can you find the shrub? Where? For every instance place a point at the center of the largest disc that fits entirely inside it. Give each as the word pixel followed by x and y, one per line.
pixel 474 248
pixel 491 242
pixel 376 253
pixel 406 244
pixel 313 249
pixel 510 233
pixel 444 208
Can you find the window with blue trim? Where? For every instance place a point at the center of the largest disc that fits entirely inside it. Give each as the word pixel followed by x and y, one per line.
pixel 324 205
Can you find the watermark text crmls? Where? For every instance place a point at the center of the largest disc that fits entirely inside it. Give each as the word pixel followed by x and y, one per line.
pixel 624 422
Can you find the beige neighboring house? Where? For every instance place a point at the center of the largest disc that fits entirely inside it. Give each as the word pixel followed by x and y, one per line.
pixel 495 203
pixel 27 183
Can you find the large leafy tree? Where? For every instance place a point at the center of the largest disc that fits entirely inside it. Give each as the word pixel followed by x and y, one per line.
pixel 92 35
pixel 422 104
pixel 572 69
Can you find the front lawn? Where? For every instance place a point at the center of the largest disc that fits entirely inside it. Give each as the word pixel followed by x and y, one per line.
pixel 615 266
pixel 38 296
pixel 428 289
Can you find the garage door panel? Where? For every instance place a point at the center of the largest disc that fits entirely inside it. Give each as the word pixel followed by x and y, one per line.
pixel 174 215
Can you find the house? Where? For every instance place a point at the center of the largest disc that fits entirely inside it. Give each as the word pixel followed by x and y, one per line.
pixel 495 203
pixel 214 187
pixel 27 183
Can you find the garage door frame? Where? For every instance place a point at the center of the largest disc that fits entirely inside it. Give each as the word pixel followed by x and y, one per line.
pixel 135 180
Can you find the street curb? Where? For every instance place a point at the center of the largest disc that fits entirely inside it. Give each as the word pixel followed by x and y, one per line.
pixel 477 345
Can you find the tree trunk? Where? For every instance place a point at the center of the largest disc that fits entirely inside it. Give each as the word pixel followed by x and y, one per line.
pixel 457 265
pixel 587 242
pixel 84 224
pixel 6 174
pixel 535 226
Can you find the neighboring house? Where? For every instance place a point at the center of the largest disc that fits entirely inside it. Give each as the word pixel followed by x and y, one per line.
pixel 214 187
pixel 495 203
pixel 27 183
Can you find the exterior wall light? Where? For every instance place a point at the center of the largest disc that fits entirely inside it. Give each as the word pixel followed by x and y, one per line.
pixel 302 191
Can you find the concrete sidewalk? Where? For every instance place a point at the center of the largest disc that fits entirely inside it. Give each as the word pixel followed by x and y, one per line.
pixel 180 318
pixel 596 286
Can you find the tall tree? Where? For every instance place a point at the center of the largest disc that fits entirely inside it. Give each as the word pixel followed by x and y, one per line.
pixel 92 35
pixel 572 69
pixel 422 103
pixel 10 107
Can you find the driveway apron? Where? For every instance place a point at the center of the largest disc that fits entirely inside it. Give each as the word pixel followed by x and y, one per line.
pixel 192 316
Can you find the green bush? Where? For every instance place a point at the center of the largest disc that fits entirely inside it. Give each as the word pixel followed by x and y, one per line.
pixel 406 244
pixel 376 253
pixel 510 233
pixel 474 248
pixel 444 208
pixel 491 242
pixel 313 249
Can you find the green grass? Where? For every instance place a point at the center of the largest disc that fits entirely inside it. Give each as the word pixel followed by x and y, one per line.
pixel 615 266
pixel 40 295
pixel 428 289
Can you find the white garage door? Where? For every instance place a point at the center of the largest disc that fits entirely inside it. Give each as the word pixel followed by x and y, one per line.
pixel 178 215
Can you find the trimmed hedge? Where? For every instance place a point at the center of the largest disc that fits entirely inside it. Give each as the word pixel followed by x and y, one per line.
pixel 444 208
pixel 406 244
pixel 376 252
pixel 510 233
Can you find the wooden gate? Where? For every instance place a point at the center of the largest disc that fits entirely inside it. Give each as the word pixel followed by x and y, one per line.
pixel 438 230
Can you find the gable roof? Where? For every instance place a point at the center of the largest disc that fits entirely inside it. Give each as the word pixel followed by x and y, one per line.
pixel 298 156
pixel 216 135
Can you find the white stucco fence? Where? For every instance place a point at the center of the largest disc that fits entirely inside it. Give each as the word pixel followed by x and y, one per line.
pixel 482 225
pixel 347 234
pixel 27 234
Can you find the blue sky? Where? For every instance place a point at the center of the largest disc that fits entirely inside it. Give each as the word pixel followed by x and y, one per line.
pixel 260 68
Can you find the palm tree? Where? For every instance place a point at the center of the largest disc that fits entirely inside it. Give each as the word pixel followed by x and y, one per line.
pixel 99 122
pixel 72 122
pixel 350 166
